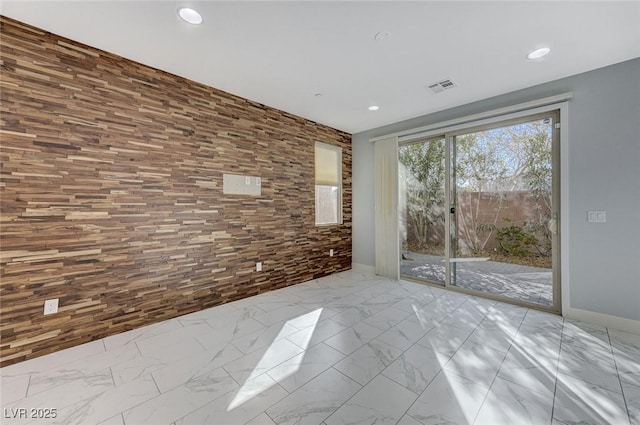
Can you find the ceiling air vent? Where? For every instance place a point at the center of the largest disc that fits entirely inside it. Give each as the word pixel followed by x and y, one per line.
pixel 441 86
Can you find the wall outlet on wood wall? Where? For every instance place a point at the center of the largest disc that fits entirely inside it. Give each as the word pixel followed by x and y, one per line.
pixel 259 266
pixel 331 253
pixel 51 306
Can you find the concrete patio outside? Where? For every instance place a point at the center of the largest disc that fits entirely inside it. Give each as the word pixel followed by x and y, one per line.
pixel 524 283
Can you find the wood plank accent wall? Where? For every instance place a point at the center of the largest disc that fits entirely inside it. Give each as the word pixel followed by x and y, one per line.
pixel 111 195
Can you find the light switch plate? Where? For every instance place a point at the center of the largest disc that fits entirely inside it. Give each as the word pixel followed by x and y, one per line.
pixel 596 216
pixel 259 266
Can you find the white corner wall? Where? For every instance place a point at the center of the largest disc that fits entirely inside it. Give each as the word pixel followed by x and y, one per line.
pixel 604 174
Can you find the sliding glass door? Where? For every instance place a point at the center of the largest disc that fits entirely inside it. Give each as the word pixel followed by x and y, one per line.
pixel 479 210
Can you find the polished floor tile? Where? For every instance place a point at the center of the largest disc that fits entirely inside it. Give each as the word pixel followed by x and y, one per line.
pixel 238 407
pixel 478 363
pixel 416 368
pixel 179 401
pixel 368 361
pixel 353 338
pixel 534 372
pixel 579 402
pixel 386 318
pixel 298 370
pixel 14 388
pixel 100 409
pixel 65 395
pixel 260 361
pixel 445 339
pixel 449 399
pixel 262 419
pixel 593 366
pixel 351 348
pixel 380 402
pixel 315 401
pixel 405 334
pixel 632 398
pixel 494 338
pixel 317 333
pixel 178 373
pixel 507 400
pixel 408 420
pixel 140 334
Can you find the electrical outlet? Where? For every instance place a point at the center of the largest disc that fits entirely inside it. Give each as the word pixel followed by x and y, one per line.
pixel 259 266
pixel 331 253
pixel 51 306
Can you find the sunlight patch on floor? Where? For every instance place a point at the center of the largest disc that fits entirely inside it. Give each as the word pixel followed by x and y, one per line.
pixel 251 389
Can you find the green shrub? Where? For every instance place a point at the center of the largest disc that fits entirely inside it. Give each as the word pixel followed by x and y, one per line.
pixel 515 240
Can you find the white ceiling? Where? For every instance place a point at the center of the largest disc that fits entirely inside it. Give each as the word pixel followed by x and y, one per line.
pixel 282 53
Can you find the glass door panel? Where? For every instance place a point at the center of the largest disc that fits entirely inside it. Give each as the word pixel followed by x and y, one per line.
pixel 422 210
pixel 502 211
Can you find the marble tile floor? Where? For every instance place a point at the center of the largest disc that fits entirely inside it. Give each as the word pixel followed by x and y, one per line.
pixel 351 348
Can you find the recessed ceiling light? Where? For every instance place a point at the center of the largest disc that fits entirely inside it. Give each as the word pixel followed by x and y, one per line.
pixel 189 15
pixel 374 107
pixel 539 53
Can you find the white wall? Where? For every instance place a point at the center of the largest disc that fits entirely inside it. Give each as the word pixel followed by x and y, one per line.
pixel 604 174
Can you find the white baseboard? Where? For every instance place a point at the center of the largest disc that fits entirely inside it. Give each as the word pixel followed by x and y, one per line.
pixel 363 268
pixel 614 322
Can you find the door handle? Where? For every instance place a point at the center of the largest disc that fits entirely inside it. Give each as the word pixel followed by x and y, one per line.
pixel 553 225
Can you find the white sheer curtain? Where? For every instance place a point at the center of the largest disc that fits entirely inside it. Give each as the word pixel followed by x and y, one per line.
pixel 387 247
